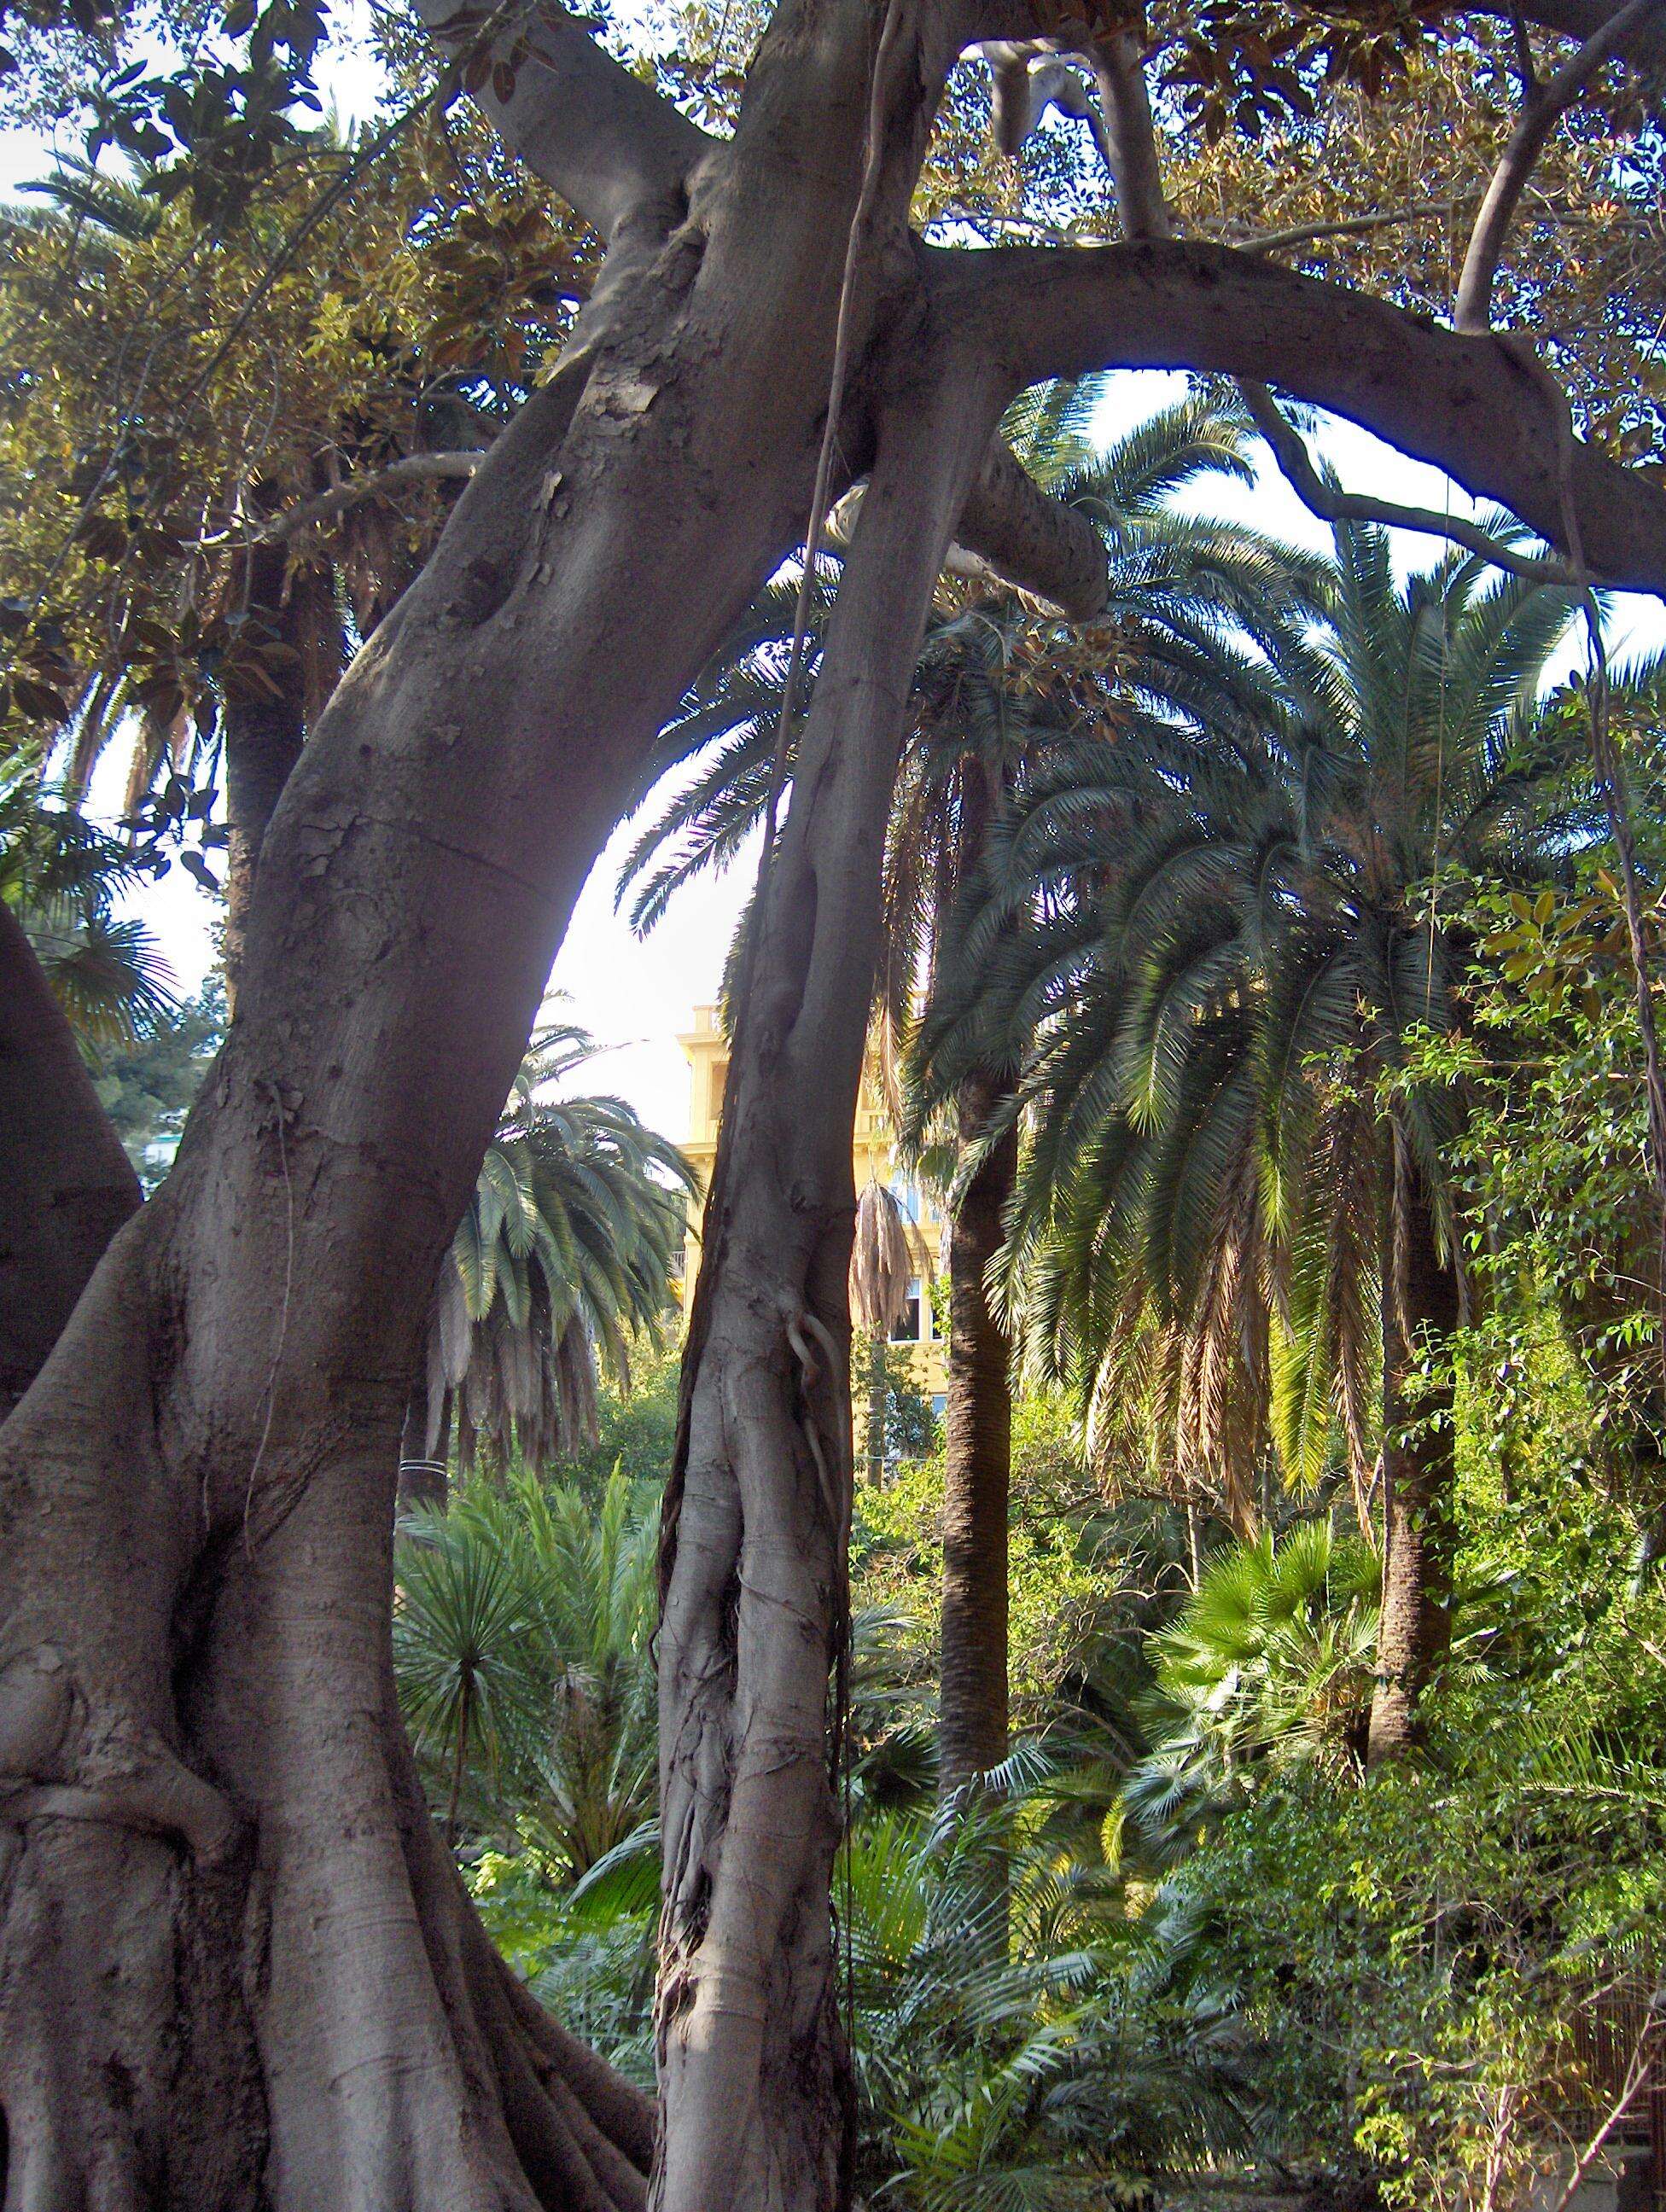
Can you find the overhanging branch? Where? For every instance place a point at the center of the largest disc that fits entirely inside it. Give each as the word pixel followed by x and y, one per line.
pixel 1474 407
pixel 606 142
pixel 1332 504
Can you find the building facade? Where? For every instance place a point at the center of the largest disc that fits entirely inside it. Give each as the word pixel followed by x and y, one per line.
pixel 873 1160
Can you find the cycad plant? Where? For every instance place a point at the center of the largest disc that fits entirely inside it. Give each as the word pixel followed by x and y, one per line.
pixel 564 1251
pixel 1232 932
pixel 1013 2046
pixel 522 1636
pixel 1003 696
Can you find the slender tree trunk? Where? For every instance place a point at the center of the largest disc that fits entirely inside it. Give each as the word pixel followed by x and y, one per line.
pixel 977 1465
pixel 1417 1484
pixel 753 2074
pixel 66 1185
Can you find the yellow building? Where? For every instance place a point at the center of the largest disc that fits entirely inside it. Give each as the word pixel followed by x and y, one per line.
pixel 706 1050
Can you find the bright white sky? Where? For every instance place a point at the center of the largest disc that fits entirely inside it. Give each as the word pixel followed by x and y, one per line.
pixel 635 998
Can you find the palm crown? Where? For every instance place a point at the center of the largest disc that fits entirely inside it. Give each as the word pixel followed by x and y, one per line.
pixel 1210 951
pixel 566 1247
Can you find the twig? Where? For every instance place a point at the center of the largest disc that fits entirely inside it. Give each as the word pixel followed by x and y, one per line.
pixel 1636 2074
pixel 1353 225
pixel 414 468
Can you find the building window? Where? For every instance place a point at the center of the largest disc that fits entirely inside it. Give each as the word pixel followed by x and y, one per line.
pixel 906 1192
pixel 907 1328
pixel 719 1076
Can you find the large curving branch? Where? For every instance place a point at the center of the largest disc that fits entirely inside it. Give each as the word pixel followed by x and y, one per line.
pixel 1542 108
pixel 1479 408
pixel 606 142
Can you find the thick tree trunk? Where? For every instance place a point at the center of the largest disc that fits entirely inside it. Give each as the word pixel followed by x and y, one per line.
pixel 209 1917
pixel 753 2076
pixel 217 1910
pixel 1417 1485
pixel 977 1465
pixel 66 1185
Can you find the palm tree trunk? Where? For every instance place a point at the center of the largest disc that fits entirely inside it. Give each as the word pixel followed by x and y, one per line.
pixel 978 1456
pixel 264 733
pixel 1421 1311
pixel 878 1397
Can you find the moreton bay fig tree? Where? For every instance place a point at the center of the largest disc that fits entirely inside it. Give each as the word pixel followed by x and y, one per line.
pixel 237 1968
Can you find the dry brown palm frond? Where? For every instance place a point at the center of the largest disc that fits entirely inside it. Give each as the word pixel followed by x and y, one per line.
pixel 881 1266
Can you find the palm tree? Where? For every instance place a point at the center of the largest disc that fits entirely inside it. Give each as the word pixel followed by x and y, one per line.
pixel 1002 696
pixel 565 1249
pixel 1232 932
pixel 881 1269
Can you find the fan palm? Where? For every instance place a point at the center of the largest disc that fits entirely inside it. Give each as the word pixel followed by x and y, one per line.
pixel 565 1249
pixel 1002 696
pixel 1231 931
pixel 1272 1658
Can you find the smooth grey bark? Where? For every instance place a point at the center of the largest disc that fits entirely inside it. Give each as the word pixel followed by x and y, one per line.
pixel 201 1481
pixel 754 2092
